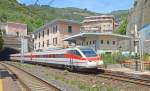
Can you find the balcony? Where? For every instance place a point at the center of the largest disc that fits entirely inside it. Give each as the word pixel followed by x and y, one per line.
pixel 94 30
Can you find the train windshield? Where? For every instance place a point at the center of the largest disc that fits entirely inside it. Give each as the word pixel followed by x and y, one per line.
pixel 88 52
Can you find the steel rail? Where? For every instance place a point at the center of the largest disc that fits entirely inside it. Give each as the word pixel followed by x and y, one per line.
pixel 24 83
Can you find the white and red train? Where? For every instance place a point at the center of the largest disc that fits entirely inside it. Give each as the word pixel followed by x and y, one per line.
pixel 72 58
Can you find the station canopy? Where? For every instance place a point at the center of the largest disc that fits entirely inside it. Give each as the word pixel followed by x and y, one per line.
pixel 86 35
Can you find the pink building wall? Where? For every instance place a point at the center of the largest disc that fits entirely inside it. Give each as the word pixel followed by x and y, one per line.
pixel 62 32
pixel 12 28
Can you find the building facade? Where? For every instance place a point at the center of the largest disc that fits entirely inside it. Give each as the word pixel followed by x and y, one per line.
pixel 14 29
pixel 52 34
pixel 102 23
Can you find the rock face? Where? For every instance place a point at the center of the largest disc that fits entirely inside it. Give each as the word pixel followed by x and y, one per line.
pixel 139 15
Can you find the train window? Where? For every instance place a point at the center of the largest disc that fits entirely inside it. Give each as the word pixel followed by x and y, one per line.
pixel 49 56
pixel 88 52
pixel 75 52
pixel 60 56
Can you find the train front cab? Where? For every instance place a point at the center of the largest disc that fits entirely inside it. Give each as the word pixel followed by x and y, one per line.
pixel 93 60
pixel 84 58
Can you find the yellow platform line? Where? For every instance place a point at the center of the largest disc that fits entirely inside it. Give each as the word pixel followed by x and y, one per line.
pixel 1 85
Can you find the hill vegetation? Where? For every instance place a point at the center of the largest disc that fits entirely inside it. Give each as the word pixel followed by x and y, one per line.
pixel 37 15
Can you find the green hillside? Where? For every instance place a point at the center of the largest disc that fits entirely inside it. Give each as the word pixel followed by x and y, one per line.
pixel 120 13
pixel 37 15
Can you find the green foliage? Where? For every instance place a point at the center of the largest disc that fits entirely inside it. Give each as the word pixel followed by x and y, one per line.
pixel 135 3
pixel 1 42
pixel 122 29
pixel 114 58
pixel 146 57
pixel 119 14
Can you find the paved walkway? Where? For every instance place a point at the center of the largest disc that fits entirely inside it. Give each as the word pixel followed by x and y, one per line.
pixel 118 67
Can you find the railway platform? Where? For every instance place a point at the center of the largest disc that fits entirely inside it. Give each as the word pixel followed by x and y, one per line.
pixel 7 81
pixel 123 71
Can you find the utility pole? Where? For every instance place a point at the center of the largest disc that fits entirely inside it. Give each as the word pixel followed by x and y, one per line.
pixel 138 47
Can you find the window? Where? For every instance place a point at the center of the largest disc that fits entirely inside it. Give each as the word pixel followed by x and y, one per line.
pixel 39 44
pixel 114 42
pixel 43 33
pixel 75 52
pixel 55 29
pixel 87 43
pixel 88 52
pixel 47 31
pixel 54 41
pixel 47 43
pixel 107 41
pixel 43 43
pixel 35 36
pixel 94 41
pixel 39 35
pixel 102 42
pixel 69 29
pixel 35 46
pixel 90 42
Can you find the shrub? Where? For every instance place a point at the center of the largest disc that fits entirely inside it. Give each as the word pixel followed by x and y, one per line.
pixel 114 58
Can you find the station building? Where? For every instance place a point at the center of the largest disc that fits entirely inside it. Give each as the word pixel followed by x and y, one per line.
pixel 101 42
pixel 52 34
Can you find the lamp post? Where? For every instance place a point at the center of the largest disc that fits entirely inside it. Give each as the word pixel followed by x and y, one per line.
pixel 22 47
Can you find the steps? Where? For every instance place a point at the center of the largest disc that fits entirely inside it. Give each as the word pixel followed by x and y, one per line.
pixel 12 42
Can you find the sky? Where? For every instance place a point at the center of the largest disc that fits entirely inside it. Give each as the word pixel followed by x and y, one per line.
pixel 99 6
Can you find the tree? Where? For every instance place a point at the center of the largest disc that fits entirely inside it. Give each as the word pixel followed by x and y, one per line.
pixel 122 29
pixel 3 17
pixel 135 3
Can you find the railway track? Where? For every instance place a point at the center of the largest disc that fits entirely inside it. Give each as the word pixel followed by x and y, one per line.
pixel 125 77
pixel 29 81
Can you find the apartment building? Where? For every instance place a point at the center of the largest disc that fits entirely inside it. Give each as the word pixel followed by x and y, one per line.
pixel 102 23
pixel 52 34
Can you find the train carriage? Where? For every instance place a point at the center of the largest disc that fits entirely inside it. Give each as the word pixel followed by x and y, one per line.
pixel 78 58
